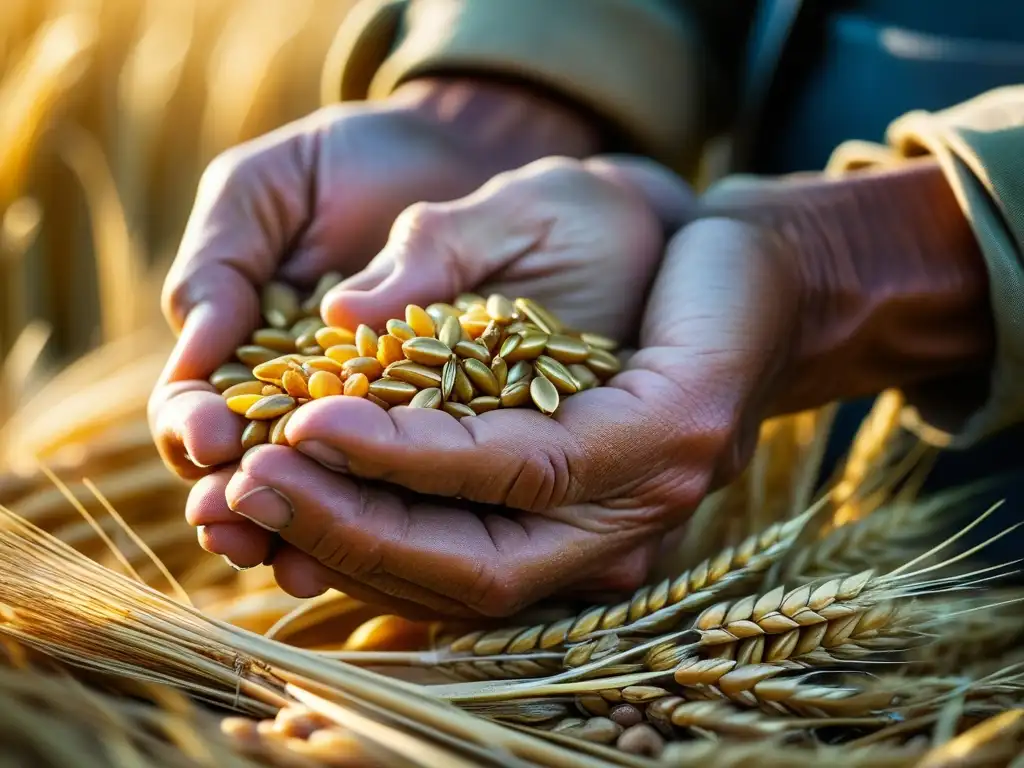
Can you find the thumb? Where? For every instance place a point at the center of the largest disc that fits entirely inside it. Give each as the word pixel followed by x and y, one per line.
pixel 436 251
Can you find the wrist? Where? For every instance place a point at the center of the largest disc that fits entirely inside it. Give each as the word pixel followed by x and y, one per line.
pixel 505 125
pixel 894 288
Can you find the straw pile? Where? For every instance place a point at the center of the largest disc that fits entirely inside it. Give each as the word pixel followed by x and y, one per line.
pixel 783 627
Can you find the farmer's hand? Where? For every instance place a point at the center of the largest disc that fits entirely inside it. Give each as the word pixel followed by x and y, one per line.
pixel 583 238
pixel 792 293
pixel 319 195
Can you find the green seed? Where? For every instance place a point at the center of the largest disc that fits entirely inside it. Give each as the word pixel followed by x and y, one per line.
pixel 531 346
pixel 270 407
pixel 401 330
pixel 230 374
pixel 448 374
pixel 603 363
pixel 500 308
pixel 465 301
pixel 473 350
pixel 463 389
pixel 252 354
pixel 597 341
pixel 458 410
pixel 280 304
pixel 566 349
pixel 421 376
pixel 450 333
pixel 426 350
pixel 584 376
pixel 275 338
pixel 393 391
pixel 515 395
pixel 500 370
pixel 427 398
pixel 255 433
pixel 557 374
pixel 521 371
pixel 481 377
pixel 544 395
pixel 539 316
pixel 484 404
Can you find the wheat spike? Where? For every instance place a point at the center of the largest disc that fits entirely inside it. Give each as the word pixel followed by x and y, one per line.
pixel 714 754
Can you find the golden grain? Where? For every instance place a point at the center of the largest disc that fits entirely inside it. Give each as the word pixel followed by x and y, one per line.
pixel 294 384
pixel 566 349
pixel 400 330
pixel 557 374
pixel 252 355
pixel 458 410
pixel 342 353
pixel 245 388
pixel 418 319
pixel 603 363
pixel 475 322
pixel 389 350
pixel 241 403
pixel 332 337
pixel 427 398
pixel 271 389
pixel 466 301
pixel 426 350
pixel 370 367
pixel 393 391
pixel 481 377
pixel 484 404
pixel 529 348
pixel 271 371
pixel 417 374
pixel 314 364
pixel 500 308
pixel 274 338
pixel 516 394
pixel 357 385
pixel 255 433
pixel 270 407
pixel 324 384
pixel 544 395
pixel 538 315
pixel 366 341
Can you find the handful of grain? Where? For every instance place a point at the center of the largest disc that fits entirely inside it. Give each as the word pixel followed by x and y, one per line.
pixel 465 358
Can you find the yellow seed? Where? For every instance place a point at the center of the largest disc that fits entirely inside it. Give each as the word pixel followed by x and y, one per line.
pixel 274 338
pixel 458 410
pixel 312 351
pixel 244 388
pixel 332 337
pixel 566 349
pixel 280 304
pixel 584 376
pixel 401 331
pixel 321 364
pixel 521 371
pixel 357 385
pixel 515 395
pixel 418 375
pixel 531 346
pixel 255 433
pixel 230 374
pixel 451 332
pixel 500 308
pixel 484 404
pixel 270 407
pixel 271 371
pixel 467 301
pixel 463 389
pixel 427 398
pixel 377 401
pixel 342 353
pixel 440 312
pixel 475 322
pixel 426 350
pixel 509 345
pixel 539 316
pixel 491 336
pixel 277 429
pixel 323 285
pixel 557 374
pixel 324 384
pixel 448 377
pixel 481 377
pixel 294 383
pixel 544 395
pixel 366 341
pixel 240 404
pixel 500 370
pixel 270 389
pixel 252 355
pixel 603 363
pixel 418 319
pixel 597 341
pixel 389 350
pixel 370 367
pixel 393 391
pixel 473 350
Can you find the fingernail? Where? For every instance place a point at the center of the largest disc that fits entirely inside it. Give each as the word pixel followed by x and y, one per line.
pixel 233 565
pixel 265 506
pixel 324 454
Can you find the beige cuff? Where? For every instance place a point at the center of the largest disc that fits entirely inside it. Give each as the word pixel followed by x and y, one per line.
pixel 980 146
pixel 635 63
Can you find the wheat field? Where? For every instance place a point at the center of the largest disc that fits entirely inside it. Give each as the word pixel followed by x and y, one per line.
pixel 788 626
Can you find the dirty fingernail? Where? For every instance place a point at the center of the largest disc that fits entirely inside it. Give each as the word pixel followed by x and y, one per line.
pixel 265 506
pixel 324 454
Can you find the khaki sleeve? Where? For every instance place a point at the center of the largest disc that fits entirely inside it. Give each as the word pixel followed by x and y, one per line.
pixel 636 64
pixel 980 145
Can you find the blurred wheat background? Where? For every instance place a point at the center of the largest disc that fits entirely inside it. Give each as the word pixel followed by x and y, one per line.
pixel 109 112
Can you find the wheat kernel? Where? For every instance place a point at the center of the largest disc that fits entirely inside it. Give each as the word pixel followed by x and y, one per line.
pixel 393 391
pixel 473 350
pixel 255 433
pixel 448 377
pixel 467 301
pixel 377 401
pixel 271 371
pixel 418 319
pixel 584 376
pixel 419 375
pixel 458 410
pixel 531 346
pixel 475 323
pixel 515 395
pixel 463 387
pixel 544 395
pixel 366 341
pixel 566 349
pixel 274 338
pixel 306 325
pixel 491 336
pixel 245 388
pixel 277 429
pixel 315 364
pixel 307 341
pixel 440 311
pixel 641 739
pixel 240 404
pixel 481 377
pixel 603 363
pixel 500 308
pixel 427 398
pixel 252 355
pixel 597 341
pixel 508 346
pixel 324 384
pixel 557 374
pixel 270 407
pixel 483 404
pixel 389 350
pixel 357 385
pixel 538 315
pixel 280 304
pixel 271 389
pixel 500 370
pixel 332 337
pixel 230 374
pixel 451 332
pixel 401 331
pixel 342 353
pixel 294 384
pixel 368 366
pixel 521 371
pixel 426 351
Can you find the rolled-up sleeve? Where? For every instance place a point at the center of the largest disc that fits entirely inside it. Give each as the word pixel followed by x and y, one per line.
pixel 980 146
pixel 639 65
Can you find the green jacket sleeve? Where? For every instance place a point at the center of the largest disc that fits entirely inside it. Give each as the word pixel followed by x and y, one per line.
pixel 643 66
pixel 980 145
